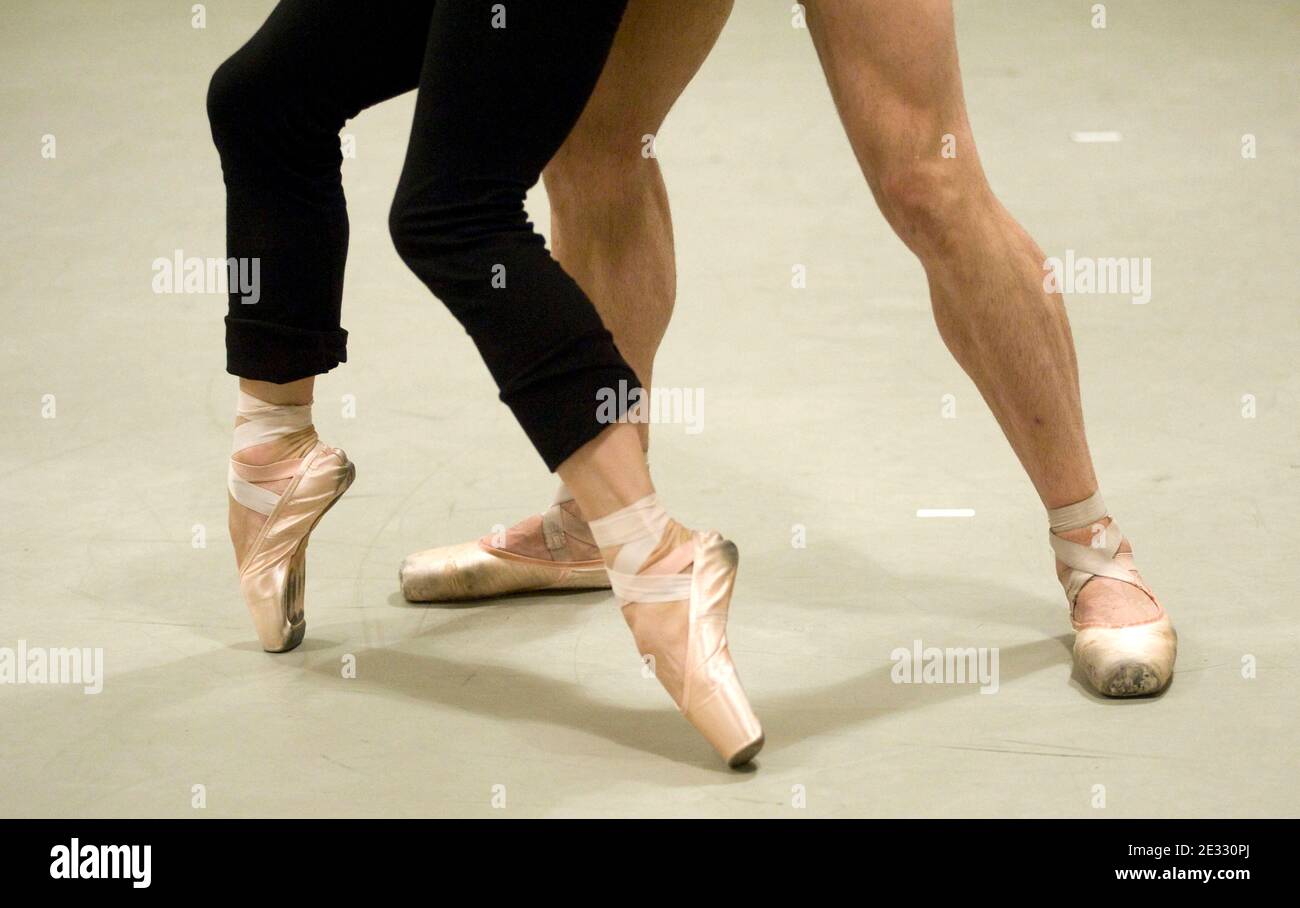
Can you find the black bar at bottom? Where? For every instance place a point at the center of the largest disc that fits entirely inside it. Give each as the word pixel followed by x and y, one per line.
pixel 335 857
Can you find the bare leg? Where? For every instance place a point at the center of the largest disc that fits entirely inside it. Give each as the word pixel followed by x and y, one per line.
pixel 893 73
pixel 608 472
pixel 610 223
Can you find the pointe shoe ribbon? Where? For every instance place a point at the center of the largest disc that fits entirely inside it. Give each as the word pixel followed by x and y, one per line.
pixel 1119 660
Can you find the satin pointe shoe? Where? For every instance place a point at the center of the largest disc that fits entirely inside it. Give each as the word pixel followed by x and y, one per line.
pixel 676 605
pixel 273 567
pixel 548 551
pixel 1128 653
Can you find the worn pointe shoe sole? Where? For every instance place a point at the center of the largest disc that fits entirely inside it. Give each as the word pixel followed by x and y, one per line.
pixel 473 570
pixel 274 594
pixel 1132 661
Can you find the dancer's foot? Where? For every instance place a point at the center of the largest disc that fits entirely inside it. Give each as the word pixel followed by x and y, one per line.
pixel 1124 641
pixel 548 551
pixel 282 480
pixel 674 587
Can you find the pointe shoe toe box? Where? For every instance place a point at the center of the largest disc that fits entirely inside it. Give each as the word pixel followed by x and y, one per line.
pixel 1132 661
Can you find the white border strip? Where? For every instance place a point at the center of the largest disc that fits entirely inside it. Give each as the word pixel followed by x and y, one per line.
pixel 1090 137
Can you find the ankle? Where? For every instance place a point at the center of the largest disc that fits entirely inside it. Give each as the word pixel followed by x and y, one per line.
pixel 288 447
pixel 297 393
pixel 633 539
pixel 674 535
pixel 1087 534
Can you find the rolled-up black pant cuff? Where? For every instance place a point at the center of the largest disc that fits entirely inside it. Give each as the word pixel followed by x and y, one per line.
pixel 564 413
pixel 266 351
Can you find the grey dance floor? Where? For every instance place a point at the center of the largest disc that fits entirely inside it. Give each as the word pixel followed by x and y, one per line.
pixel 823 409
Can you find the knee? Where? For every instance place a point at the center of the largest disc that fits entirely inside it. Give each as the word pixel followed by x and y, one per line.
pixel 409 239
pixel 453 241
pixel 398 212
pixel 272 112
pixel 233 91
pixel 929 205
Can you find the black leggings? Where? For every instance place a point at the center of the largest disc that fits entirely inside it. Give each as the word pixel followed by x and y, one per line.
pixel 495 103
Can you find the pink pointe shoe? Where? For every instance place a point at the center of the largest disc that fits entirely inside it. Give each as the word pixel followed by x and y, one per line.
pixel 674 587
pixel 273 568
pixel 1120 657
pixel 548 551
